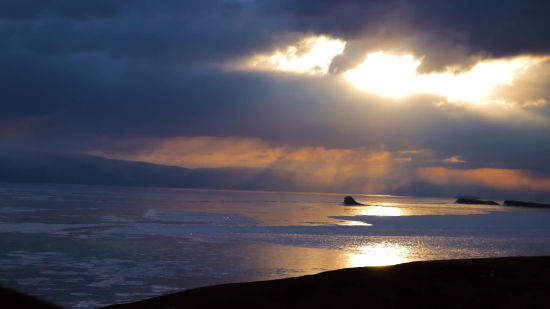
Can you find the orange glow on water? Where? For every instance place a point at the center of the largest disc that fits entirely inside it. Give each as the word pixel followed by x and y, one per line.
pixel 379 254
pixel 382 211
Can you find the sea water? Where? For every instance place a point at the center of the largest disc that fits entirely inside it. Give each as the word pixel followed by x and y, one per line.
pixel 87 246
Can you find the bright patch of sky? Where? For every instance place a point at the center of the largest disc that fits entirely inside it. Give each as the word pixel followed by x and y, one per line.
pixel 312 55
pixel 396 76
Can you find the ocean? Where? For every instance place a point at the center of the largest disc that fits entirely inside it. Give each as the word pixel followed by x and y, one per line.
pixel 88 246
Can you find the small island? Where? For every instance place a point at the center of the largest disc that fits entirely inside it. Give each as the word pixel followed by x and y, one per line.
pixel 350 201
pixel 470 201
pixel 525 204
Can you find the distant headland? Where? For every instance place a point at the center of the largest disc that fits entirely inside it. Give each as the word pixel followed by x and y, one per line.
pixel 525 204
pixel 470 201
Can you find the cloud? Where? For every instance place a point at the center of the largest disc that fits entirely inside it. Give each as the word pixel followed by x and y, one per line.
pixel 536 103
pixel 398 77
pixel 311 55
pixel 83 111
pixel 454 159
pixel 488 28
pixel 492 178
pixel 100 75
pixel 105 9
pixel 165 32
pixel 251 152
pixel 358 170
pixel 448 34
pixel 327 165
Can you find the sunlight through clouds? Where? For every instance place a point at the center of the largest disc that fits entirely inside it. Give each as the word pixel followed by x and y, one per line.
pixel 396 77
pixel 312 55
pixel 454 159
pixel 508 179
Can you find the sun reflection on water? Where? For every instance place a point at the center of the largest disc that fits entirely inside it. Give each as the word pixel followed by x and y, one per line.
pixel 379 254
pixel 382 211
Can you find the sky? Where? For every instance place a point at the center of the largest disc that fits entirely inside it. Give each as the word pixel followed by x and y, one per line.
pixel 443 92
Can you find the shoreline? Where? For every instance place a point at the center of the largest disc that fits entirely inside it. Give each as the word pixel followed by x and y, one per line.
pixel 510 282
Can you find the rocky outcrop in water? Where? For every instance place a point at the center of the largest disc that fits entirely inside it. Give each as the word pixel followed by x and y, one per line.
pixel 525 204
pixel 470 201
pixel 348 200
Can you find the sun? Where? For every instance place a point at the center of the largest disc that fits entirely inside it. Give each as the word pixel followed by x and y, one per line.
pixel 386 75
pixel 396 77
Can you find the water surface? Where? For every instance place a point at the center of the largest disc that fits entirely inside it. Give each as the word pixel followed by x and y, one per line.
pixel 85 246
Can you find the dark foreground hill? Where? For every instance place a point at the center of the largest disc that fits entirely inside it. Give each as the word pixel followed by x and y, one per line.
pixel 13 299
pixel 503 283
pixel 479 283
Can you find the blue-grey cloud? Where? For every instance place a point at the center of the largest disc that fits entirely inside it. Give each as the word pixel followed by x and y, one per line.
pixel 180 33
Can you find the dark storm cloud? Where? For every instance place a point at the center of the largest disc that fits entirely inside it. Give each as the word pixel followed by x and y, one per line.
pixel 431 28
pixel 499 28
pixel 194 32
pixel 168 32
pixel 97 9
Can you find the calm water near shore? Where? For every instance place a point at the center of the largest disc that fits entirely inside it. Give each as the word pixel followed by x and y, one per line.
pixel 86 246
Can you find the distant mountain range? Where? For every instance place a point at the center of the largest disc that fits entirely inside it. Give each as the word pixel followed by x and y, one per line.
pixel 74 168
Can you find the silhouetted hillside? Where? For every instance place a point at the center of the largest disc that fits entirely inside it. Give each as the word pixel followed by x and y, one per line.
pixel 71 168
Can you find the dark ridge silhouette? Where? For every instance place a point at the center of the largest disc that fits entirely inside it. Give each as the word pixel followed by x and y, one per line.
pixel 82 169
pixel 525 204
pixel 505 283
pixel 475 202
pixel 13 299
pixel 348 200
